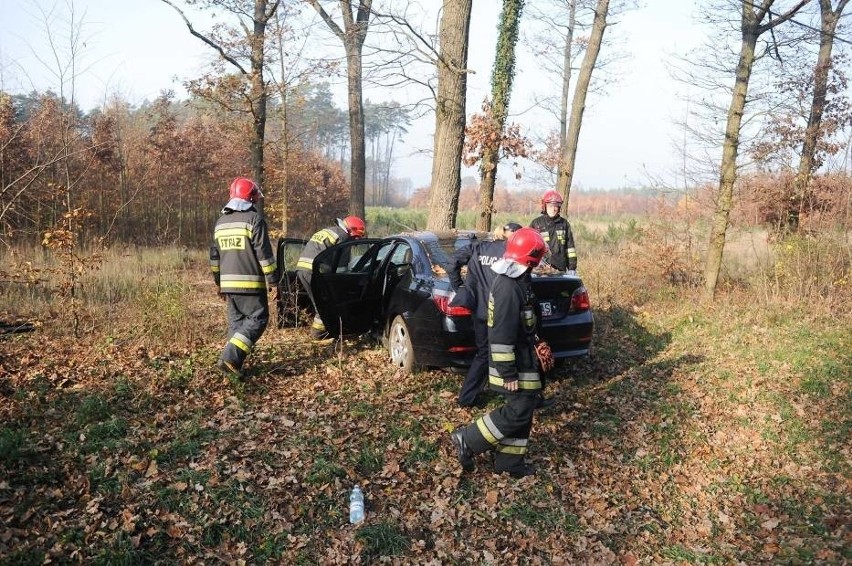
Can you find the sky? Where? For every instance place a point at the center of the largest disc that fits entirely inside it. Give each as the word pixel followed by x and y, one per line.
pixel 139 48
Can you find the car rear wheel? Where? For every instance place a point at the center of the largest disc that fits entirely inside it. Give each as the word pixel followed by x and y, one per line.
pixel 399 345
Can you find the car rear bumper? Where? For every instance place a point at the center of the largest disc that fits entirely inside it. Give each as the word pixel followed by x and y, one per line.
pixel 450 346
pixel 570 336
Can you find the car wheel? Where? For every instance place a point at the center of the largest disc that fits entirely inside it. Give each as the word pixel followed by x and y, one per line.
pixel 399 345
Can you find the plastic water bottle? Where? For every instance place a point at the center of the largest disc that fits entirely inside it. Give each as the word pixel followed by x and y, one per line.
pixel 356 505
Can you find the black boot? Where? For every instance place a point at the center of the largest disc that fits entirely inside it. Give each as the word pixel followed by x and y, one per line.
pixel 464 453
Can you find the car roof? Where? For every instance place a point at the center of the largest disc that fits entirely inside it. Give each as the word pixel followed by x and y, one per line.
pixel 429 235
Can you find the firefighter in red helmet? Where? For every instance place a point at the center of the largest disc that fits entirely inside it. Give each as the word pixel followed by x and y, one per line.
pixel 343 230
pixel 513 368
pixel 556 231
pixel 245 269
pixel 472 292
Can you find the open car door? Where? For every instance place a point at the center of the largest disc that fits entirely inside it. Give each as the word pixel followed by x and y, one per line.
pixel 341 283
pixel 290 297
pixel 287 256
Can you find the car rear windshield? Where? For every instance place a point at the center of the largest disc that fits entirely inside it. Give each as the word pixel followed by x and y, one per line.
pixel 441 250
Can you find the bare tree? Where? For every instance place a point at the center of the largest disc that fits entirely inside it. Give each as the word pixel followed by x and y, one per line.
pixel 54 137
pixel 578 104
pixel 449 114
pixel 295 71
pixel 756 19
pixel 558 38
pixel 352 35
pixel 829 19
pixel 253 16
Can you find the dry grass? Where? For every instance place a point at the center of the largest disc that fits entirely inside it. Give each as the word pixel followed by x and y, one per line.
pixel 133 292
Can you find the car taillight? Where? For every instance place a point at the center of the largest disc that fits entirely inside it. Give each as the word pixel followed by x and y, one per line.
pixel 443 304
pixel 580 300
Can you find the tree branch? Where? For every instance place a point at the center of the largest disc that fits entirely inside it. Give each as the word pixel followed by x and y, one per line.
pixel 327 19
pixel 781 17
pixel 207 40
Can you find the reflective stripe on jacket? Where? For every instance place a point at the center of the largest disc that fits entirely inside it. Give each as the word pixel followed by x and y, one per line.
pixel 512 326
pixel 241 257
pixel 557 234
pixel 320 241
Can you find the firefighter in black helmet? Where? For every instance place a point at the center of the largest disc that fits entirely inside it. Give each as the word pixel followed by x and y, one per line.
pixel 513 368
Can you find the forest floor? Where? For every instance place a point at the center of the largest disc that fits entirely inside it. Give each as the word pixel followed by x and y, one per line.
pixel 693 434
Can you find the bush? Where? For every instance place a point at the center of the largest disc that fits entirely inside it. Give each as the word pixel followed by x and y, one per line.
pixel 811 269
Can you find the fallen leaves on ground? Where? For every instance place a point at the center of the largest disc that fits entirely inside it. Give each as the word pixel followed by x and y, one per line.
pixel 665 447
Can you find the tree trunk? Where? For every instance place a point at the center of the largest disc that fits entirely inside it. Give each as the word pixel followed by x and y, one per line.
pixel 728 169
pixel 449 115
pixel 566 82
pixel 578 104
pixel 285 169
pixel 801 183
pixel 357 166
pixel 389 145
pixel 751 29
pixel 501 91
pixel 258 91
pixel 352 36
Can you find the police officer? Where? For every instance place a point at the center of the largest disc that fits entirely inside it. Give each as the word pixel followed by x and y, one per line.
pixel 473 294
pixel 556 232
pixel 244 269
pixel 513 369
pixel 346 228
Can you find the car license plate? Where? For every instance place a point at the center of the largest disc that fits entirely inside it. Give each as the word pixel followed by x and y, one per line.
pixel 546 308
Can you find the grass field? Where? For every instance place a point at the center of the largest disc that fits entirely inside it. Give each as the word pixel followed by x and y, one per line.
pixel 695 433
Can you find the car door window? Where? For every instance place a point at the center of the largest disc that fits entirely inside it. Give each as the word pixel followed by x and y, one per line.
pixel 401 255
pixel 355 259
pixel 289 251
pixel 381 254
pixel 400 260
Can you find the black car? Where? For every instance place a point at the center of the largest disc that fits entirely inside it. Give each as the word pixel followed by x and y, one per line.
pixel 397 288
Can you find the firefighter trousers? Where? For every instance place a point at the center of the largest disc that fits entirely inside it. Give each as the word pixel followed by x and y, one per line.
pixel 248 316
pixel 477 374
pixel 505 430
pixel 318 331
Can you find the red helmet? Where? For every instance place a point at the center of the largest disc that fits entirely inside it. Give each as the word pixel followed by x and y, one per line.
pixel 354 226
pixel 246 189
pixel 551 197
pixel 526 246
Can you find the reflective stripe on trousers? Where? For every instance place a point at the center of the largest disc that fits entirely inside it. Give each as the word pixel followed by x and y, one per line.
pixel 505 430
pixel 248 316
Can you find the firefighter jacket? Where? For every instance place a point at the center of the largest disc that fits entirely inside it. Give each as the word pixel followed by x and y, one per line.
pixel 512 327
pixel 558 236
pixel 241 257
pixel 320 241
pixel 479 257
